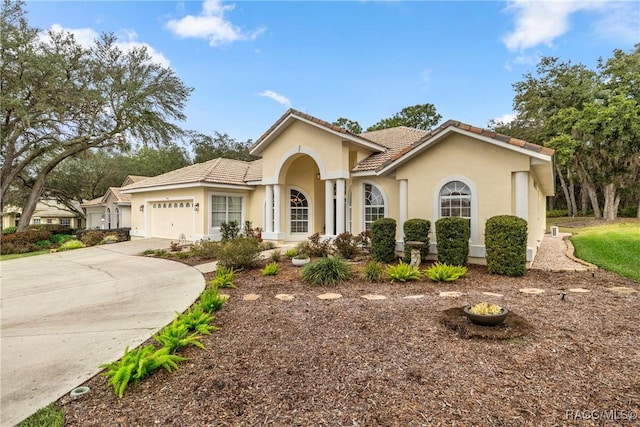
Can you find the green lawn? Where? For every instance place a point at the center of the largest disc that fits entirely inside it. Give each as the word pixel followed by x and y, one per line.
pixel 49 416
pixel 14 256
pixel 614 247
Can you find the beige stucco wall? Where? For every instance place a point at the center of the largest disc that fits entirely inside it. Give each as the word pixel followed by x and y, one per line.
pixel 537 221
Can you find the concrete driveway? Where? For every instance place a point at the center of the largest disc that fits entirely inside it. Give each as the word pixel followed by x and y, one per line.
pixel 64 314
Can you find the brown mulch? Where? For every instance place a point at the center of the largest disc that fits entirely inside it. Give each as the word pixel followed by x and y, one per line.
pixel 393 362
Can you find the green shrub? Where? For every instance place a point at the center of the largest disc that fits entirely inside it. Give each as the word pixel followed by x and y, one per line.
pixel 224 277
pixel 270 269
pixel 290 253
pixel 249 231
pixel 196 319
pixel 266 245
pixel 61 238
pixel 402 272
pixel 71 244
pixel 9 230
pixel 137 364
pixel 206 249
pixel 275 256
pixel 176 335
pixel 303 249
pixel 628 211
pixel 239 253
pixel 506 245
pixel 557 213
pixel 452 234
pixel 326 271
pixel 383 240
pixel 92 238
pixel 439 272
pixel 211 300
pixel 416 230
pixel 317 246
pixel 43 244
pixel 372 271
pixel 346 245
pixel 230 230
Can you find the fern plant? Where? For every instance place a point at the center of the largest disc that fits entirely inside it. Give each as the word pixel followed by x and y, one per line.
pixel 137 364
pixel 196 319
pixel 211 300
pixel 402 272
pixel 440 272
pixel 290 253
pixel 270 269
pixel 372 271
pixel 176 335
pixel 224 277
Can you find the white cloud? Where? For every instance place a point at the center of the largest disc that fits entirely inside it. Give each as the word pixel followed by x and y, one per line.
pixel 541 22
pixel 506 118
pixel 211 25
pixel 281 99
pixel 527 60
pixel 621 22
pixel 127 40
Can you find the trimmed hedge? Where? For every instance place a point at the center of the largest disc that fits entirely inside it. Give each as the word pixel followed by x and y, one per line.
pixel 417 230
pixel 452 235
pixel 383 240
pixel 506 244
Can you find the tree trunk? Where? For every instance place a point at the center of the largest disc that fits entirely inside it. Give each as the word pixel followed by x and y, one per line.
pixel 591 190
pixel 638 214
pixel 584 201
pixel 611 201
pixel 572 194
pixel 32 201
pixel 565 190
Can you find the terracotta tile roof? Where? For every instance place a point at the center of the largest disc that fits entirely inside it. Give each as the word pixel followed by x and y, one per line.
pixel 304 116
pixel 254 171
pixel 479 131
pixel 394 139
pixel 220 171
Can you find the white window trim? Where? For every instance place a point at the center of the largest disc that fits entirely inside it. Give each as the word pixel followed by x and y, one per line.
pixel 298 236
pixel 363 224
pixel 215 231
pixel 473 221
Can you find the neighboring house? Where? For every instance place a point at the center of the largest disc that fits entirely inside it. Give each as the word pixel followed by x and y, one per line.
pixel 316 177
pixel 46 212
pixel 113 209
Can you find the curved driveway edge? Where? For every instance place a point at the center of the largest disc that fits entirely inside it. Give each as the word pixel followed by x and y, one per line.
pixel 64 314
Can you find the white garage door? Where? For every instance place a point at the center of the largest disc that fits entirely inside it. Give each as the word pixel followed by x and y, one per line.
pixel 171 219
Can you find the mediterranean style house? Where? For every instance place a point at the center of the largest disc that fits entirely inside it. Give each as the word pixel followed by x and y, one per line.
pixel 113 209
pixel 313 176
pixel 46 212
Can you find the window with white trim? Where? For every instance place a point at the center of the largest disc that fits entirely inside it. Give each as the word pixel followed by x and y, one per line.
pixel 299 212
pixel 109 218
pixel 455 200
pixel 374 207
pixel 225 209
pixel 36 220
pixel 117 217
pixel 65 221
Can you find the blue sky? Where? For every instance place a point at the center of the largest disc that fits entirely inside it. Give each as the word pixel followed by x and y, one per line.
pixel 365 60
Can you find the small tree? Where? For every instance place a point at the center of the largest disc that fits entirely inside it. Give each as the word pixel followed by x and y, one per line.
pixel 383 239
pixel 452 234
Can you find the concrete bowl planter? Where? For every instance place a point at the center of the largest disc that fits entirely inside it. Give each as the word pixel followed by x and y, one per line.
pixel 300 261
pixel 486 319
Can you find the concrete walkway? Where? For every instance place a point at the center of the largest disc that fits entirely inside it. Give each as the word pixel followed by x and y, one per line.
pixel 556 254
pixel 64 314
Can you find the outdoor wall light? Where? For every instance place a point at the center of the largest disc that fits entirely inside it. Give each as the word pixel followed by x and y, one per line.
pixel 196 206
pixel 318 176
pixel 141 208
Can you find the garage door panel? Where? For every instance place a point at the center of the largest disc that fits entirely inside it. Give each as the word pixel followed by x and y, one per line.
pixel 171 219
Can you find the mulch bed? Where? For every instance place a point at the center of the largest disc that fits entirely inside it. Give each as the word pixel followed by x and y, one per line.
pixel 395 362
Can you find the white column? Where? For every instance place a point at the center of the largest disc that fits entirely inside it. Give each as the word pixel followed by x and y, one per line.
pixel 277 201
pixel 404 206
pixel 522 195
pixel 340 192
pixel 268 227
pixel 328 207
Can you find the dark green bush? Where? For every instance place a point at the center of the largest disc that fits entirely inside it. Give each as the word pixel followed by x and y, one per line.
pixel 9 230
pixel 326 271
pixel 452 234
pixel 229 230
pixel 628 211
pixel 61 238
pixel 383 240
pixel 416 230
pixel 506 244
pixel 557 213
pixel 204 249
pixel 239 253
pixel 346 245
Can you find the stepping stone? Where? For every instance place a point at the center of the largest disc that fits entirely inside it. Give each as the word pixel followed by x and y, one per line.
pixel 285 297
pixel 250 297
pixel 492 294
pixel 532 291
pixel 579 290
pixel 414 297
pixel 372 297
pixel 623 290
pixel 453 294
pixel 329 296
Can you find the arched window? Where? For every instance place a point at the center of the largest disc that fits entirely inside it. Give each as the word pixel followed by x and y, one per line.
pixel 299 212
pixel 374 207
pixel 455 200
pixel 117 217
pixel 109 218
